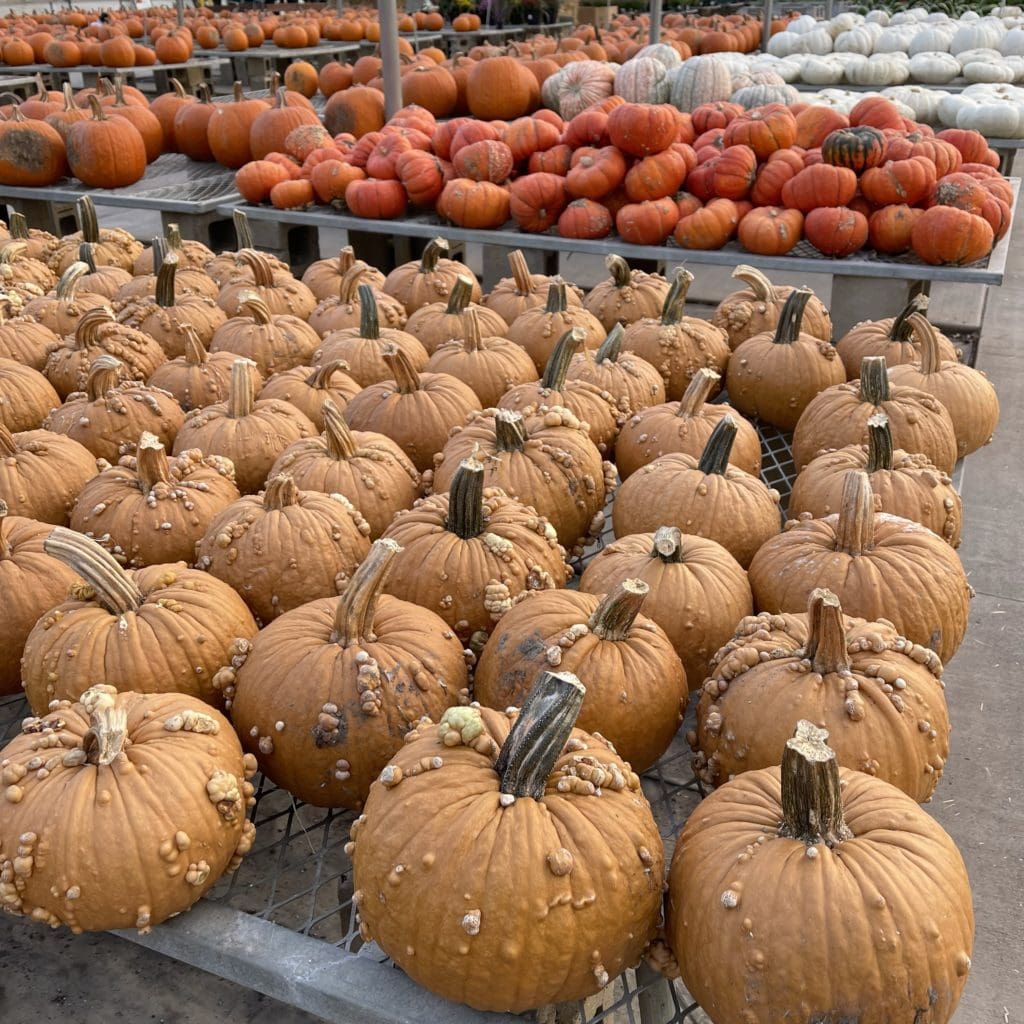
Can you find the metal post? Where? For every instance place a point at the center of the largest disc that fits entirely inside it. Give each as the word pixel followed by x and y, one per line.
pixel 655 21
pixel 340 7
pixel 766 32
pixel 829 9
pixel 181 12
pixel 392 75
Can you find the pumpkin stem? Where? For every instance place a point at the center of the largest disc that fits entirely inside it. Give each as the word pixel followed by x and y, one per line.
pixel 675 300
pixel 242 389
pixel 369 316
pixel 251 304
pixel 320 378
pixel 762 288
pixel 97 115
pixel 353 620
pixel 68 283
pixel 195 351
pixel 119 100
pixel 5 545
pixel 466 500
pixel 179 89
pixel 697 392
pixel 281 492
pixel 622 276
pixel 928 338
pixel 874 380
pixel 610 349
pixel 613 618
pixel 112 587
pixel 86 255
pixel 243 232
pixel 812 799
pixel 84 209
pixel 557 367
pixel 104 376
pixel 855 530
pixel 520 272
pixel 880 449
pixel 151 464
pixel 12 252
pixel 173 238
pixel 17 224
pixel 262 272
pixel 668 544
pixel 341 445
pixel 472 341
pixel 350 279
pixel 826 634
pixel 539 734
pixel 433 251
pixel 159 249
pixel 165 281
pixel 557 300
pixel 791 317
pixel 509 431
pixel 108 725
pixel 7 445
pixel 715 457
pixel 901 329
pixel 88 326
pixel 460 295
pixel 69 101
pixel 346 259
pixel 407 380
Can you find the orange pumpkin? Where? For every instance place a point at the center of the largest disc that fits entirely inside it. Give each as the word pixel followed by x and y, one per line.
pixel 836 230
pixel 771 230
pixel 947 235
pixel 708 227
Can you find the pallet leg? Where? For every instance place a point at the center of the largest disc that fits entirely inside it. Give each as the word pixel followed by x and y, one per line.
pixel 212 229
pixel 57 218
pixel 385 252
pixel 855 299
pixel 540 261
pixel 297 244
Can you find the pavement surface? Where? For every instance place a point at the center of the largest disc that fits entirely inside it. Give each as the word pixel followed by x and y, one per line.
pixel 97 979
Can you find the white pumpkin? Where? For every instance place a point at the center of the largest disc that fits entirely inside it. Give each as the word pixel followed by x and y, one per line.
pixel 805 23
pixel 896 40
pixel 818 42
pixel 923 102
pixel 822 70
pixel 988 71
pixel 1017 65
pixel 932 39
pixel 877 17
pixel 858 40
pixel 980 53
pixel 785 44
pixel 758 95
pixel 1012 44
pixel 668 55
pixel 879 69
pixel 698 80
pixel 949 108
pixel 844 22
pixel 788 70
pixel 995 120
pixel 642 80
pixel 986 32
pixel 934 68
pixel 577 86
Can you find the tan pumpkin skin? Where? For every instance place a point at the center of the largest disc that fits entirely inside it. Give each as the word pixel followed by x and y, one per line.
pixel 622 300
pixel 323 278
pixel 913 489
pixel 636 686
pixel 433 325
pixel 164 324
pixel 26 397
pixel 447 826
pixel 142 520
pixel 198 623
pixel 873 338
pixel 735 509
pixel 422 282
pixel 308 388
pixel 899 876
pixel 631 382
pixel 513 296
pixel 494 367
pixel 697 600
pixel 31 583
pixel 41 474
pixel 589 403
pixel 168 853
pixel 275 343
pixel 350 704
pixel 471 583
pixel 538 331
pixel 750 704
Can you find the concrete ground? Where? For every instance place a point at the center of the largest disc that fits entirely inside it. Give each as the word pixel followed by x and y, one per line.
pixel 53 977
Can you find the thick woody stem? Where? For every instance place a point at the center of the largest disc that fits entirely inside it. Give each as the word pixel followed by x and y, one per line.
pixel 557 368
pixel 466 500
pixel 179 89
pixel 353 620
pixel 610 349
pixel 320 378
pixel 151 465
pixel 826 634
pixel 195 351
pixel 346 259
pixel 855 530
pixel 7 445
pixel 613 618
pixel 348 286
pixel 108 725
pixel 12 252
pixel 791 317
pixel 165 281
pixel 173 238
pixel 243 231
pixel 434 250
pixel 697 392
pixel 242 389
pixel 874 380
pixel 407 380
pixel 249 303
pixel 520 272
pixel 812 798
pixel 104 376
pixel 460 295
pixel 622 276
pixel 539 734
pixel 901 329
pixel 668 544
pixel 715 457
pixel 762 288
pixel 84 209
pixel 160 251
pixel 281 492
pixel 87 327
pixel 472 341
pixel 341 445
pixel 5 547
pixel 17 224
pixel 86 255
pixel 880 449
pixel 928 338
pixel 114 589
pixel 262 272
pixel 509 431
pixel 68 283
pixel 557 298
pixel 369 316
pixel 675 300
